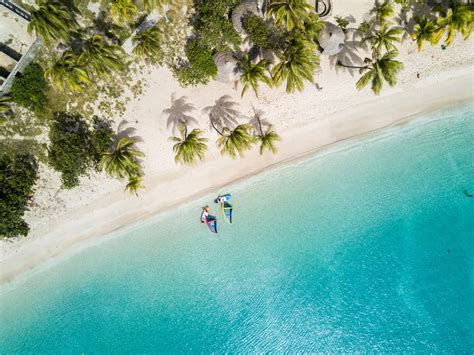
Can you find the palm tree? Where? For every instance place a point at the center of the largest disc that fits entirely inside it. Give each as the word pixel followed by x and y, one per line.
pixel 313 26
pixel 424 31
pixel 376 71
pixel 267 138
pixel 104 58
pixel 289 14
pixel 134 183
pixel 122 159
pixel 384 12
pixel 385 37
pixel 222 113
pixel 236 141
pixel 189 147
pixel 457 18
pixel 147 43
pixel 123 11
pixel 253 73
pixel 67 74
pixel 297 64
pixel 51 22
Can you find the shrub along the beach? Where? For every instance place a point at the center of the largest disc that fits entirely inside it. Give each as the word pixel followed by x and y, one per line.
pixel 213 27
pixel 30 89
pixel 260 33
pixel 202 67
pixel 74 147
pixel 18 175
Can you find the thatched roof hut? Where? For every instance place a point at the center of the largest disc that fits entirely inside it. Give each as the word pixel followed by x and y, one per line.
pixel 332 39
pixel 227 71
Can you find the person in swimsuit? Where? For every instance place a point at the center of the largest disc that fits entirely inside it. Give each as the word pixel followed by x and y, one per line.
pixel 468 194
pixel 205 214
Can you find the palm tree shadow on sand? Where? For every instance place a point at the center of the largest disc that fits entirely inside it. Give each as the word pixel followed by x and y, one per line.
pixel 178 113
pixel 222 113
pixel 124 131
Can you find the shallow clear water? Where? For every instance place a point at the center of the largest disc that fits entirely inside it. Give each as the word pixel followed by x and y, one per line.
pixel 368 246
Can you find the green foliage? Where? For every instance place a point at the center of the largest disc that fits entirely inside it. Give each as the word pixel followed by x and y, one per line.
pixel 123 11
pixel 201 66
pixel 75 148
pixel 457 18
pixel 297 64
pixel 384 11
pixel 67 74
pixel 121 160
pixel 69 151
pixel 289 14
pixel 252 73
pixel 30 89
pixel 102 138
pixel 134 183
pixel 385 37
pixel 102 57
pixel 50 21
pixel 18 175
pixel 147 45
pixel 259 32
pixel 424 31
pixel 342 22
pixel 213 27
pixel 236 141
pixel 189 147
pixel 379 70
pixel 4 106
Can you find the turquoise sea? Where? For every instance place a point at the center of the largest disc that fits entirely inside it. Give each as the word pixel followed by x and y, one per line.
pixel 367 246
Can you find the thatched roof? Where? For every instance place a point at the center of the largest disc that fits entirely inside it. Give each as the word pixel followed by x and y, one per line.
pixel 332 39
pixel 226 68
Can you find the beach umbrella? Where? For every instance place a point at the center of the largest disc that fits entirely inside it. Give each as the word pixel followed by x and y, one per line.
pixel 227 71
pixel 331 39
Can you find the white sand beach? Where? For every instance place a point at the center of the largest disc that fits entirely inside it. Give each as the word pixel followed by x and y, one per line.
pixel 62 219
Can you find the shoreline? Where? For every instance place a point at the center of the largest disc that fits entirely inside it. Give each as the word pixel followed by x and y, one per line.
pixel 114 211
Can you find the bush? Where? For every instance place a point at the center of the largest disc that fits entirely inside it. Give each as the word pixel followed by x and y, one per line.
pixel 74 148
pixel 201 66
pixel 213 26
pixel 30 89
pixel 102 137
pixel 258 31
pixel 18 175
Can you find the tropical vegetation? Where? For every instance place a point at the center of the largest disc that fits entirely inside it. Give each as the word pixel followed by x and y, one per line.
pixel 83 74
pixel 122 159
pixel 18 175
pixel 189 147
pixel 30 89
pixel 51 21
pixel 253 73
